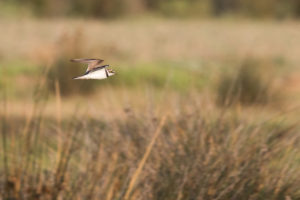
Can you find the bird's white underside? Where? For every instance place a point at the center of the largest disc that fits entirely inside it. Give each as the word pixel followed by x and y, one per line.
pixel 99 74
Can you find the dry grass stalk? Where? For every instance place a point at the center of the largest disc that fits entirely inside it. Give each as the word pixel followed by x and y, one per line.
pixel 144 159
pixel 58 119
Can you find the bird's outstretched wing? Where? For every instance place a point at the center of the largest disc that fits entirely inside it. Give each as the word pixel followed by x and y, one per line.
pixel 97 68
pixel 92 63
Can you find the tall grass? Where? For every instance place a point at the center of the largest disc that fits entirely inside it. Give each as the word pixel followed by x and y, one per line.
pixel 248 84
pixel 198 152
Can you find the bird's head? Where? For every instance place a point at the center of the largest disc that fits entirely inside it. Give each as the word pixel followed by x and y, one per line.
pixel 111 72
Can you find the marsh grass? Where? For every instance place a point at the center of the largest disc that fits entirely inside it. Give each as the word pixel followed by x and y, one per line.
pixel 191 154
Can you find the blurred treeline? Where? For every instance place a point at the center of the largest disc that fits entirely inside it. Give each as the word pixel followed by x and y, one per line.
pixel 171 8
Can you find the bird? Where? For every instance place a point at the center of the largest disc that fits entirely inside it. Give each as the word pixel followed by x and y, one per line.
pixel 94 70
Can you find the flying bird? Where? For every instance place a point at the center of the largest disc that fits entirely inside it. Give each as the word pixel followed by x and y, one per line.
pixel 94 70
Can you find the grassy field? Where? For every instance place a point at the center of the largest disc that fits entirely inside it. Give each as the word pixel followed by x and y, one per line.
pixel 197 110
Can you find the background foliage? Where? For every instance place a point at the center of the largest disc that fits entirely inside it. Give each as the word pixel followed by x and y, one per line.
pixel 171 8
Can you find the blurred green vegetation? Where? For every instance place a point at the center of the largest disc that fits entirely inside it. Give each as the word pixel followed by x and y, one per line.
pixel 160 75
pixel 170 8
pixel 11 69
